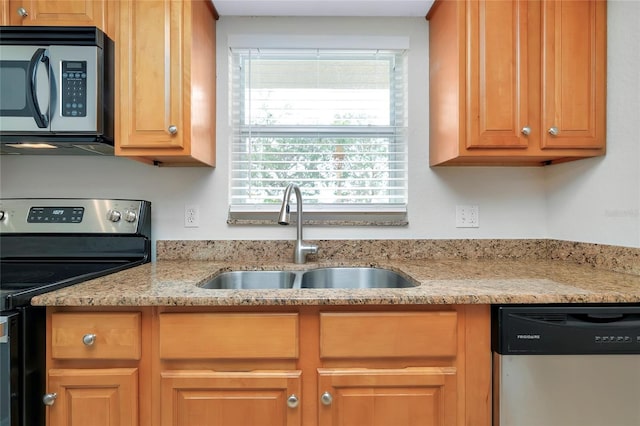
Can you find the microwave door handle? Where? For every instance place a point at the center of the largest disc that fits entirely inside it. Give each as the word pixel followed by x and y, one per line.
pixel 42 120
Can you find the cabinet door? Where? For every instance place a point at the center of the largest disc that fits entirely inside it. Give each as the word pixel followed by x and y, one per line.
pixel 497 49
pixel 165 82
pixel 574 67
pixel 151 74
pixel 4 12
pixel 58 12
pixel 207 398
pixel 97 397
pixel 408 397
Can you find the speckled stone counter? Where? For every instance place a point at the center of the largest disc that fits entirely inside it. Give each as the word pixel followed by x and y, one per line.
pixel 452 281
pixel 600 256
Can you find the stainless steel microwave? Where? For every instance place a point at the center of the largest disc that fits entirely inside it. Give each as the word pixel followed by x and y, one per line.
pixel 56 86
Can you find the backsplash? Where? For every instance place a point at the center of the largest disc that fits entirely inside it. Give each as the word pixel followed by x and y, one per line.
pixel 614 258
pixel 601 256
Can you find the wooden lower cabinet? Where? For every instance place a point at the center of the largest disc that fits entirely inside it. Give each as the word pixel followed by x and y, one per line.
pixel 96 397
pixel 373 397
pixel 282 366
pixel 209 398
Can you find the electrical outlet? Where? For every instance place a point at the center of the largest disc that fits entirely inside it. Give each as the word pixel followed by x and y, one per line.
pixel 191 216
pixel 467 217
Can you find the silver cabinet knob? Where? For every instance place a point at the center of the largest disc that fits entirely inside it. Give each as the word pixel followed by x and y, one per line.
pixel 526 131
pixel 23 12
pixel 89 339
pixel 130 216
pixel 553 131
pixel 326 398
pixel 293 401
pixel 173 129
pixel 113 215
pixel 49 398
pixel 2 215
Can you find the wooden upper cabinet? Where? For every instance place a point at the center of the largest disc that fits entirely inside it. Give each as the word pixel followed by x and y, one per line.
pixel 165 84
pixel 95 13
pixel 574 72
pixel 498 90
pixel 507 74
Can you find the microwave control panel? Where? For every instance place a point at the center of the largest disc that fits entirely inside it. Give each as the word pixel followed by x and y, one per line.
pixel 74 88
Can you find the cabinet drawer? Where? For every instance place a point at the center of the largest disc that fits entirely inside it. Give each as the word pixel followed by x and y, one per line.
pixel 228 336
pixel 115 335
pixel 388 334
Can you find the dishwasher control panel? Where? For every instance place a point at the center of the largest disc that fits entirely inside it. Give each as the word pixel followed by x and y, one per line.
pixel 616 339
pixel 567 329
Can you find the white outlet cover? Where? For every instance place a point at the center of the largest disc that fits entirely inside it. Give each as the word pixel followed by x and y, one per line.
pixel 191 216
pixel 467 217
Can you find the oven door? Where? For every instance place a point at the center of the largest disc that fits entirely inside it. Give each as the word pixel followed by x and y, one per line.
pixel 26 89
pixel 9 369
pixel 22 366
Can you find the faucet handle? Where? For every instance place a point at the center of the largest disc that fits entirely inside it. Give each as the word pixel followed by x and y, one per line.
pixel 302 250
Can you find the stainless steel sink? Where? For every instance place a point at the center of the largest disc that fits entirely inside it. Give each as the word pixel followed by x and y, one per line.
pixel 251 280
pixel 349 277
pixel 330 277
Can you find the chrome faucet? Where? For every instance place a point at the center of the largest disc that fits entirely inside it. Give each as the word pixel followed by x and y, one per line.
pixel 301 250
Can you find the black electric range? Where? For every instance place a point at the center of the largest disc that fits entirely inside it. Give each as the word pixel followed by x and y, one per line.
pixel 45 245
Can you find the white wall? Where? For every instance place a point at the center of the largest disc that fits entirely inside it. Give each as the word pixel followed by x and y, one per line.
pixel 598 200
pixel 513 201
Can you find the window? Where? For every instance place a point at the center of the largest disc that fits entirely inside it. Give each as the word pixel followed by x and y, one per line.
pixel 332 121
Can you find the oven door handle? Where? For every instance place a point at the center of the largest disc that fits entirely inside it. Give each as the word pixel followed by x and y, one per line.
pixel 4 329
pixel 42 120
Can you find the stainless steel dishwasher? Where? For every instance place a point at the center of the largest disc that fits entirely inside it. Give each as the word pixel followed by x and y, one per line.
pixel 566 365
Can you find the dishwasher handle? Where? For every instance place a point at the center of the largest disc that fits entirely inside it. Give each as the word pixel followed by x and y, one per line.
pixel 604 319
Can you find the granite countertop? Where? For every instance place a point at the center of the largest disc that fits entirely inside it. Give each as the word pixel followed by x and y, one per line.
pixel 459 281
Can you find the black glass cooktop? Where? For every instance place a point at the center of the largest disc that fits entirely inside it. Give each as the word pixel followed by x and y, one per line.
pixel 20 281
pixel 21 275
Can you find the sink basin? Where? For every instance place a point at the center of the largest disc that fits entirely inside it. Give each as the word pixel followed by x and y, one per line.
pixel 251 280
pixel 330 277
pixel 353 278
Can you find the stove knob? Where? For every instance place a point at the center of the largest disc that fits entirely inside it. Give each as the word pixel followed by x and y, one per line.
pixel 113 215
pixel 130 216
pixel 3 215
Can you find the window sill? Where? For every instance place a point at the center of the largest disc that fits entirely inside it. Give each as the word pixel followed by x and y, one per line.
pixel 374 216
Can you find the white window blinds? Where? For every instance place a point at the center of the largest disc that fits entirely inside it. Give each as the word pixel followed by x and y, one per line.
pixel 332 121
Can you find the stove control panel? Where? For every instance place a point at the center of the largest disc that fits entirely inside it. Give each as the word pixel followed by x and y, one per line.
pixel 57 215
